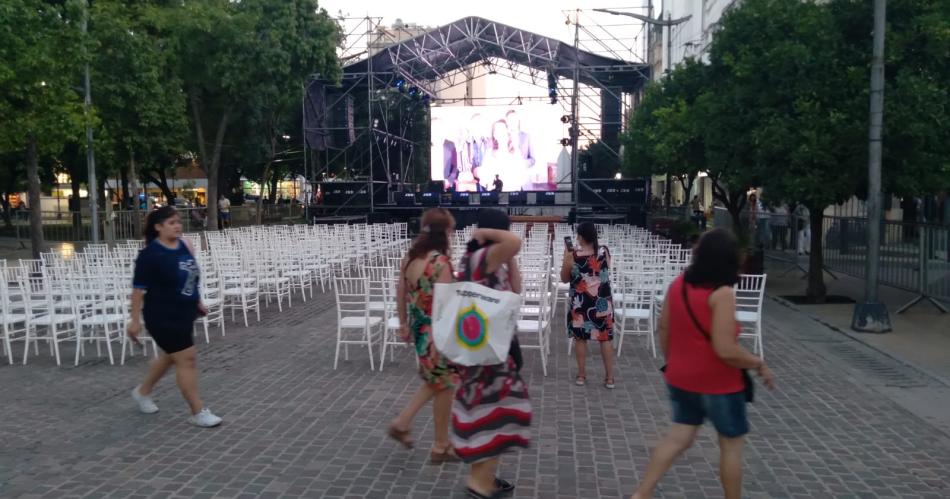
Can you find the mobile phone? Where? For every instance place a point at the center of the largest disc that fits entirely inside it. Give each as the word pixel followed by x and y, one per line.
pixel 568 243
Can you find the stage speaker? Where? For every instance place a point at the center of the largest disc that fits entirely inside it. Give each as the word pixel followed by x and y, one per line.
pixel 431 198
pixel 517 198
pixel 460 198
pixel 546 198
pixel 405 199
pixel 489 199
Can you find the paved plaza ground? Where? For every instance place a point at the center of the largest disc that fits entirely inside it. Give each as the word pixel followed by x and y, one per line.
pixel 294 427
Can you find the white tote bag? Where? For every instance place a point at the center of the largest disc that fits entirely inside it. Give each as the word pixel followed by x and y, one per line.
pixel 472 324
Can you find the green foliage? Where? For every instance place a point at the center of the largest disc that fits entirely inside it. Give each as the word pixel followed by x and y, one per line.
pixel 40 62
pixel 137 92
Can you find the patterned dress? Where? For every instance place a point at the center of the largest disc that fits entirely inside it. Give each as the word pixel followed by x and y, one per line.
pixel 433 368
pixel 491 413
pixel 591 315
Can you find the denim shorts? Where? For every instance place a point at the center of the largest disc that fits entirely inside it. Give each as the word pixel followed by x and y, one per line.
pixel 726 412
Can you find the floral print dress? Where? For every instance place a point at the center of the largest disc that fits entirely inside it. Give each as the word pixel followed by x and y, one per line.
pixel 433 368
pixel 591 312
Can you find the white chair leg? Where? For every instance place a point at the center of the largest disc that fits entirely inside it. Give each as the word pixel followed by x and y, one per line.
pixel 336 356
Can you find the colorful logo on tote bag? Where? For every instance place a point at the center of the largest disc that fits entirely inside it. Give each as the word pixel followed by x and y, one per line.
pixel 471 328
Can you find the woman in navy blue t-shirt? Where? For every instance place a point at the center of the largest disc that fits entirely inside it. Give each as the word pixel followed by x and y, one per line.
pixel 166 282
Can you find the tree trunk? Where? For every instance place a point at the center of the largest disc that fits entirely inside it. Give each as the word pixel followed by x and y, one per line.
pixel 37 242
pixel 134 178
pixel 273 187
pixel 162 183
pixel 260 198
pixel 126 198
pixel 816 292
pixel 75 202
pixel 211 167
pixel 7 218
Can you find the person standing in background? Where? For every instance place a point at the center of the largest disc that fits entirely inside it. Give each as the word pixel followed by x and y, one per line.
pixel 590 315
pixel 224 211
pixel 803 226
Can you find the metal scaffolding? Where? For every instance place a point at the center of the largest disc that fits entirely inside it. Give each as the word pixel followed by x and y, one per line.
pixel 361 125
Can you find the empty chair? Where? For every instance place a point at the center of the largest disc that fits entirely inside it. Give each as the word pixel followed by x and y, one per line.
pixel 750 293
pixel 353 315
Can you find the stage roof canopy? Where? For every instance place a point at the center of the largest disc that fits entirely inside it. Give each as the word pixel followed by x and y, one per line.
pixel 432 56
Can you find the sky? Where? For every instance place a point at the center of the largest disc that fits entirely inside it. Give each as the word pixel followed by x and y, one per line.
pixel 545 17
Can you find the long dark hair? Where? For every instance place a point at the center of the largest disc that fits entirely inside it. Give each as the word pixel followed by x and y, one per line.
pixel 716 260
pixel 588 231
pixel 156 217
pixel 432 236
pixel 487 218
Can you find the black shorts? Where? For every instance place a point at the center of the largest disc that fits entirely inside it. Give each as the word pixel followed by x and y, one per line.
pixel 175 333
pixel 172 339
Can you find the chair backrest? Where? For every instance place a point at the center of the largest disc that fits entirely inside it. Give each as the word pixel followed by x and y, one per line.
pixel 352 295
pixel 637 288
pixel 750 292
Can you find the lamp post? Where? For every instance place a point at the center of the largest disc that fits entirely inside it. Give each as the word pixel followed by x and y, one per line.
pixel 871 315
pixel 90 156
pixel 668 24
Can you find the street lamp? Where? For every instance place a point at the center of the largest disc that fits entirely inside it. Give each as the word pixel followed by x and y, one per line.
pixel 668 23
pixel 871 315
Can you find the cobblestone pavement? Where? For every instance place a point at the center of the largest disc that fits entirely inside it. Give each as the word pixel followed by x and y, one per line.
pixel 294 427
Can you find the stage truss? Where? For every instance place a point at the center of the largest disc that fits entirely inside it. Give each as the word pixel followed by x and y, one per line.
pixel 363 125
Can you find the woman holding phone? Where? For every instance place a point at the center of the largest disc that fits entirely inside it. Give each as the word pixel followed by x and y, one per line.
pixel 165 292
pixel 590 314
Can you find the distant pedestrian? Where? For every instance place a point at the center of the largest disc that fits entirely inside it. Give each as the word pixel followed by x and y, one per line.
pixel 779 223
pixel 803 225
pixel 224 212
pixel 590 309
pixel 492 413
pixel 166 282
pixel 704 363
pixel 426 264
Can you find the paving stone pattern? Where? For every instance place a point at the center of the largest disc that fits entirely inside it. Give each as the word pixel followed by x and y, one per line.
pixel 294 427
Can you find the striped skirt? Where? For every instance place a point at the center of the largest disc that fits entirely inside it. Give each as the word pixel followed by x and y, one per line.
pixel 491 413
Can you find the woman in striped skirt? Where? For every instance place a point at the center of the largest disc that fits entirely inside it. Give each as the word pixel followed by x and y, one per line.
pixel 491 413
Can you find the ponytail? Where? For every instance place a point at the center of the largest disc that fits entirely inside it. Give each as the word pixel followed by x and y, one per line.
pixel 157 217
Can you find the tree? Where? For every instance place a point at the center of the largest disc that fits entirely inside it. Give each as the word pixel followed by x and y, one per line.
pixel 40 57
pixel 249 58
pixel 916 139
pixel 138 93
pixel 666 136
pixel 809 122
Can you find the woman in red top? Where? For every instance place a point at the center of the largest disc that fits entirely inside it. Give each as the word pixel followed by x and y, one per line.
pixel 705 362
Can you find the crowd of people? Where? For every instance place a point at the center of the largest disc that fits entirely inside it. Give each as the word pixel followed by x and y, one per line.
pixel 482 412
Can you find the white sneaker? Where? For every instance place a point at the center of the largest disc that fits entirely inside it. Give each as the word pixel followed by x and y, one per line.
pixel 146 404
pixel 205 419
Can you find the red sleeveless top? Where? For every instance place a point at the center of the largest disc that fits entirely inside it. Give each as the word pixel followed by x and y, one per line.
pixel 691 361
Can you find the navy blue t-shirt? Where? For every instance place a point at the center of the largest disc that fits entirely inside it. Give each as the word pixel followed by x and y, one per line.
pixel 170 280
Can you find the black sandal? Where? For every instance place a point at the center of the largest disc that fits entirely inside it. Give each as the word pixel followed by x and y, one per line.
pixel 504 486
pixel 474 494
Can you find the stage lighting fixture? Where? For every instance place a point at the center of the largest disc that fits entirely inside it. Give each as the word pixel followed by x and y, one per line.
pixel 414 93
pixel 566 118
pixel 425 100
pixel 400 85
pixel 375 122
pixel 565 142
pixel 552 86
